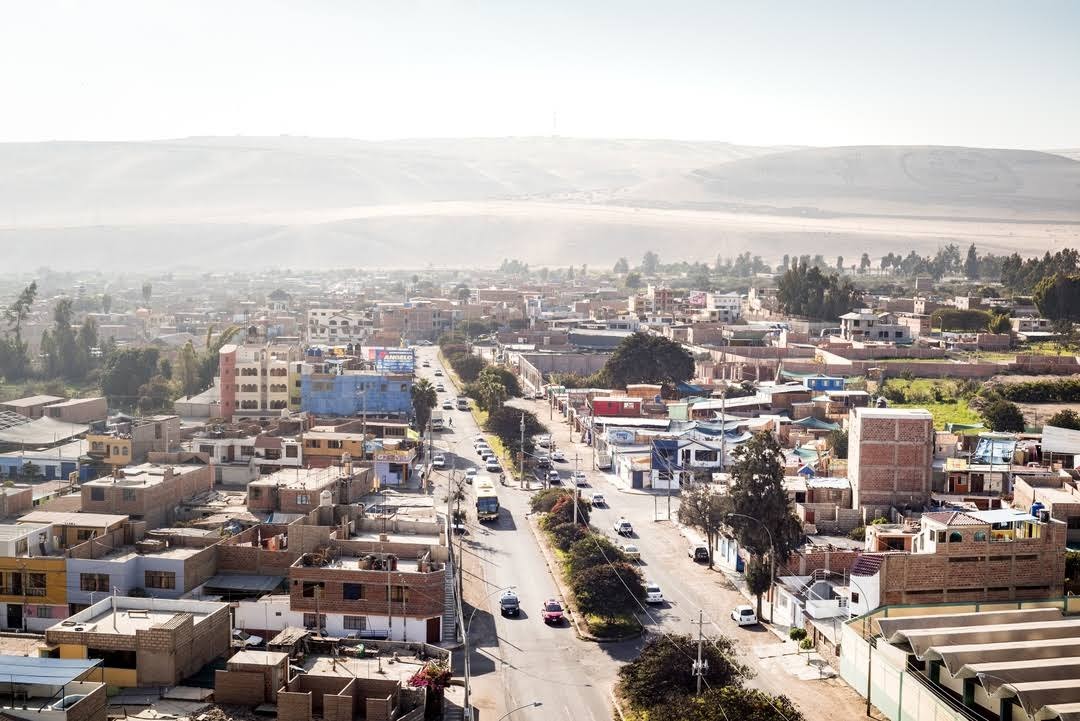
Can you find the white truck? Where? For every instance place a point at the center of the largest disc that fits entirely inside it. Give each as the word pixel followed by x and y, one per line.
pixel 437 422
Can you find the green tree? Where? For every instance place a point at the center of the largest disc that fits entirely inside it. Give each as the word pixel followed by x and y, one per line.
pixel 424 399
pixel 14 353
pixel 608 590
pixel 633 281
pixel 727 703
pixel 806 291
pixel 154 395
pixel 188 370
pixel 147 292
pixel 1004 417
pixel 703 509
pixel 467 366
pixel 645 358
pixel 126 372
pixel 960 320
pixel 621 266
pixel 64 357
pixel 838 442
pixel 503 376
pixel 1065 418
pixel 999 323
pixel 1058 297
pixel 165 368
pixel 490 394
pixel 594 550
pixel 758 493
pixel 563 510
pixel 566 534
pixel 864 263
pixel 662 673
pixel 30 470
pixel 971 263
pixel 209 361
pixel 505 423
pixel 543 501
pixel 839 263
pixel 106 303
pixel 650 263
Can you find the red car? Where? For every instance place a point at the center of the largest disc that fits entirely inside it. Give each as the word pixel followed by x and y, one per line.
pixel 551 611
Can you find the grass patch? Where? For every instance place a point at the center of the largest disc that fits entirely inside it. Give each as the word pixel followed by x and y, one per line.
pixel 954 412
pixel 620 626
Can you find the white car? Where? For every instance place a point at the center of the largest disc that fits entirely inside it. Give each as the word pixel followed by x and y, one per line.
pixel 558 456
pixel 246 638
pixel 440 388
pixel 470 475
pixel 482 449
pixel 544 442
pixel 439 462
pixel 438 371
pixel 553 476
pixel 598 499
pixel 744 615
pixel 630 551
pixel 653 593
pixel 623 527
pixel 447 406
pixel 492 465
pixel 579 478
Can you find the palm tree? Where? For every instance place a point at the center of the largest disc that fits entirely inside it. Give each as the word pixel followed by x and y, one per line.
pixel 424 398
pixel 492 394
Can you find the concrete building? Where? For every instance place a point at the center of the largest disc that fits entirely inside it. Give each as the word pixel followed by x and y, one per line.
pixel 255 379
pixel 33 686
pixel 352 393
pixel 334 326
pixel 866 325
pixel 79 410
pixel 890 456
pixel 33 586
pixel 145 641
pixel 32 406
pixel 721 308
pixel 300 490
pixel 148 492
pixel 130 440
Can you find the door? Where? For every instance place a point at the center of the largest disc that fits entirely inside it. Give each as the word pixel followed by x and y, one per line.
pixel 14 615
pixel 434 630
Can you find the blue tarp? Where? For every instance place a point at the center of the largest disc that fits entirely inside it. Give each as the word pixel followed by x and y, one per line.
pixel 688 389
pixel 46 671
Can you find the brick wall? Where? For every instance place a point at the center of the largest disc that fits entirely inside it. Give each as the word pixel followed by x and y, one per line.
pixel 155 503
pixel 837 560
pixel 244 688
pixel 294 706
pixel 890 458
pixel 425 596
pixel 91 708
pixel 200 567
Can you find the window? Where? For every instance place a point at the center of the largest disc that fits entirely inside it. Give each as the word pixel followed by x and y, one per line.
pixel 247 450
pixel 854 597
pixel 84 534
pixel 124 451
pixel 97 494
pixel 399 593
pixel 35 584
pixel 128 494
pixel 352 591
pixel 980 535
pixel 308 589
pixel 93 582
pixel 113 659
pixel 355 623
pixel 333 444
pixel 290 451
pixel 956 537
pixel 160 579
pixel 1073 523
pixel 309 620
pixel 303 499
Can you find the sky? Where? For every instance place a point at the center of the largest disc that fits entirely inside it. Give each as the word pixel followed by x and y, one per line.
pixel 960 72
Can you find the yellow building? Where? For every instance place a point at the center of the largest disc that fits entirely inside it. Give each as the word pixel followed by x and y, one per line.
pixel 33 581
pixel 110 448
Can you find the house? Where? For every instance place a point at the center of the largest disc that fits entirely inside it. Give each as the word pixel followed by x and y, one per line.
pixel 145 641
pixel 948 556
pixel 890 456
pixel 335 326
pixel 866 325
pixel 79 410
pixel 31 406
pixel 34 685
pixel 129 440
pixel 302 490
pixel 148 492
pixel 33 584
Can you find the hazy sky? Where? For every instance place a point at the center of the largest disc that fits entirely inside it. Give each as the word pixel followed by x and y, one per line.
pixel 821 73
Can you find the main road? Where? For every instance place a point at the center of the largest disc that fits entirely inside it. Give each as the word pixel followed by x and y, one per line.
pixel 517 661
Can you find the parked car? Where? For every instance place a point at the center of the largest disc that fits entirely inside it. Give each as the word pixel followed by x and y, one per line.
pixel 482 447
pixel 509 604
pixel 439 462
pixel 698 552
pixel 580 479
pixel 554 477
pixel 558 456
pixel 744 615
pixel 653 594
pixel 543 461
pixel 438 371
pixel 447 406
pixel 544 441
pixel 492 465
pixel 246 638
pixel 623 527
pixel 630 551
pixel 470 475
pixel 598 499
pixel 440 388
pixel 426 364
pixel 551 611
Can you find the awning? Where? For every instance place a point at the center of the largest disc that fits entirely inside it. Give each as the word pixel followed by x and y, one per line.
pixel 45 671
pixel 243 582
pixel 815 424
pixel 962 427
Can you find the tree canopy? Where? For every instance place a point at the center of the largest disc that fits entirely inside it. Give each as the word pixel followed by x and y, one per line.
pixel 424 399
pixel 1058 297
pixel 646 358
pixel 662 672
pixel 728 703
pixel 505 422
pixel 960 320
pixel 608 590
pixel 1065 418
pixel 704 510
pixel 808 292
pixel 1003 416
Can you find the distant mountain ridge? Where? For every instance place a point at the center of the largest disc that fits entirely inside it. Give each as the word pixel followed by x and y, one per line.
pixel 475 200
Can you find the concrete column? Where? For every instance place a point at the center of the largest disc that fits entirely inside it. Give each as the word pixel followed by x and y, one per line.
pixel 935 672
pixel 969 692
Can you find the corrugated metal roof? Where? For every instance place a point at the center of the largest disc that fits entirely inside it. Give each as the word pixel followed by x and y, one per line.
pixel 45 671
pixel 243 582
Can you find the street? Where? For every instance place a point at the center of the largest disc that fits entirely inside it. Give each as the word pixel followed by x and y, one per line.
pixel 517 661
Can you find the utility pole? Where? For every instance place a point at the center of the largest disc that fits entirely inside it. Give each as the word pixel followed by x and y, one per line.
pixel 576 496
pixel 521 457
pixel 700 666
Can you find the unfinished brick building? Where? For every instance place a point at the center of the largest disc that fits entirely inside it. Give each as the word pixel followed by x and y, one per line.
pixel 148 492
pixel 890 456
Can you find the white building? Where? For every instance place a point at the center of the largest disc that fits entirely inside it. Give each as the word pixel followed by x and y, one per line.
pixel 866 325
pixel 720 308
pixel 334 326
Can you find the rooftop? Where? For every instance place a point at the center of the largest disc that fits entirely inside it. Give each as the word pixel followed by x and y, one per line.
pixel 65 518
pixel 30 401
pixel 145 474
pixel 134 614
pixel 300 478
pixel 919 413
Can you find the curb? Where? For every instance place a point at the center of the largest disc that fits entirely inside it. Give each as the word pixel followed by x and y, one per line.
pixel 556 574
pixel 616 704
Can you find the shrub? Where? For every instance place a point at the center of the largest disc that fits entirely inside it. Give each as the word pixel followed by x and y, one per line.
pixel 857 534
pixel 797 634
pixel 542 501
pixel 564 535
pixel 563 510
pixel 592 550
pixel 608 590
pixel 806 644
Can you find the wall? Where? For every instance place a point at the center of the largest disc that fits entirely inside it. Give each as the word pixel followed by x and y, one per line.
pixel 243 688
pixel 347 395
pixel 294 706
pixel 889 457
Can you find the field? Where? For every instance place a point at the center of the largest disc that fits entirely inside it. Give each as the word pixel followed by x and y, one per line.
pixel 946 400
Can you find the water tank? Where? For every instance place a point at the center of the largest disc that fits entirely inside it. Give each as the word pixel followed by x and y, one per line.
pixel 1035 508
pixel 1044 515
pixel 326 498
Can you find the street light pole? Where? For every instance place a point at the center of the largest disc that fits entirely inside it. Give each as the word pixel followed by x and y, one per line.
pixel 521 456
pixel 534 704
pixel 772 557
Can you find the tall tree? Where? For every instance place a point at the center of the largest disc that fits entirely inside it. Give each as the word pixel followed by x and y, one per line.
pixel 126 373
pixel 621 266
pixel 1065 418
pixel 765 523
pixel 633 281
pixel 662 672
pixel 608 589
pixel 106 303
pixel 188 370
pixel 839 263
pixel 705 510
pixel 806 291
pixel 1058 297
pixel 650 262
pixel 14 353
pixel 864 262
pixel 1004 417
pixel 645 358
pixel 147 292
pixel 506 424
pixel 971 263
pixel 424 399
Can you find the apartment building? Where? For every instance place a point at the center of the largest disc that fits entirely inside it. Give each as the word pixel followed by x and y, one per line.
pixel 256 380
pixel 890 456
pixel 130 440
pixel 335 326
pixel 148 492
pixel 866 325
pixel 145 641
pixel 351 393
pixel 954 556
pixel 720 308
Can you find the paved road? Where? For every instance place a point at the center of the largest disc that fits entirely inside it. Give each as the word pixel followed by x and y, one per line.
pixel 519 660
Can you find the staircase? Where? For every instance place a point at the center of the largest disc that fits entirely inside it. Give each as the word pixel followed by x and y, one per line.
pixel 449 617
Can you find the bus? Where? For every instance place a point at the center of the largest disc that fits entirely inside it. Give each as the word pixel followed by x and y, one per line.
pixel 487 501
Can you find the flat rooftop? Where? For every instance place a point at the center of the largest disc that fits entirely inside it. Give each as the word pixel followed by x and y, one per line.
pixel 127 553
pixel 31 401
pixel 12 531
pixel 145 474
pixel 134 614
pixel 299 478
pixel 919 413
pixel 420 539
pixel 355 563
pixel 71 518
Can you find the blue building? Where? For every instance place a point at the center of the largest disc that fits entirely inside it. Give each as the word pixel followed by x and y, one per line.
pixel 352 393
pixel 820 383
